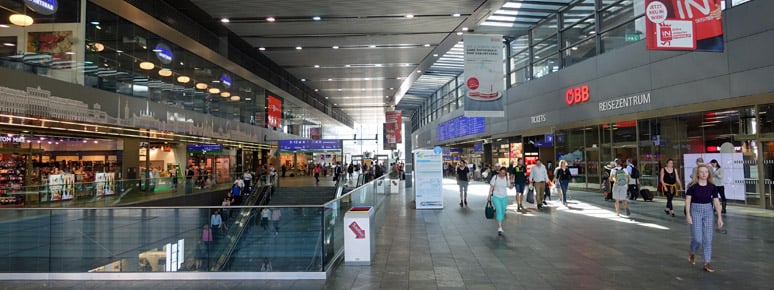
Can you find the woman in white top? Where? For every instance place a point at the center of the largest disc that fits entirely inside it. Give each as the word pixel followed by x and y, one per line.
pixel 717 179
pixel 498 194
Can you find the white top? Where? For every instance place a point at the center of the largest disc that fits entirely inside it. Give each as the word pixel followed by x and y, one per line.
pixel 629 169
pixel 265 213
pixel 247 176
pixel 538 174
pixel 500 185
pixel 276 214
pixel 717 176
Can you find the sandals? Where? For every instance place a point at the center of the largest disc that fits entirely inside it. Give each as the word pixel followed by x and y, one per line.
pixel 692 259
pixel 708 268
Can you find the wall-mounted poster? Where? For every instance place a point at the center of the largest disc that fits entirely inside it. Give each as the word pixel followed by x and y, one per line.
pixel 55 43
pixel 105 183
pixel 684 25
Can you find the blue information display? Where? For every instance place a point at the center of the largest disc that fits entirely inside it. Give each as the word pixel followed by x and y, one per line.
pixel 461 126
pixel 310 145
pixel 478 147
pixel 205 148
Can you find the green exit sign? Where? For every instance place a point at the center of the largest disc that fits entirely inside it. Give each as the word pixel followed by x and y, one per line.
pixel 632 37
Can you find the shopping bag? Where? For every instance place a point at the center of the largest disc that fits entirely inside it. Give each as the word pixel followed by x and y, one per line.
pixel 489 210
pixel 531 194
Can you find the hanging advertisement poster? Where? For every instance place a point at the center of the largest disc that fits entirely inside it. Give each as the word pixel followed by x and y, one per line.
pixel 273 110
pixel 428 176
pixel 684 25
pixel 388 138
pixel 484 75
pixel 315 133
pixel 396 119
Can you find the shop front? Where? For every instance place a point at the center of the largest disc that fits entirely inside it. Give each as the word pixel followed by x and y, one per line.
pixel 211 163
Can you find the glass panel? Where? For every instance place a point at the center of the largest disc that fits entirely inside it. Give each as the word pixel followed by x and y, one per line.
pixel 519 76
pixel 766 119
pixel 545 30
pixel 648 162
pixel 546 66
pixel 622 36
pixel 519 44
pixel 580 52
pixel 579 32
pixel 620 13
pixel 768 172
pixel 581 10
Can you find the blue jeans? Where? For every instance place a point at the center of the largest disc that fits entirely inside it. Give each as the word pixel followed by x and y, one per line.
pixel 563 184
pixel 499 203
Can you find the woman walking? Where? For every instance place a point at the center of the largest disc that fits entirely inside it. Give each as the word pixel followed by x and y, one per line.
pixel 498 195
pixel 670 180
pixel 700 198
pixel 717 179
pixel 563 175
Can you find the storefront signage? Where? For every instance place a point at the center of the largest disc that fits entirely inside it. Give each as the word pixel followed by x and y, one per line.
pixel 14 139
pixel 45 7
pixel 538 119
pixel 225 79
pixel 205 148
pixel 164 53
pixel 310 145
pixel 625 102
pixel 576 95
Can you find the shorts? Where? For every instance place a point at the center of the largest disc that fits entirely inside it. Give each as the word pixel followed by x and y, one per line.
pixel 620 192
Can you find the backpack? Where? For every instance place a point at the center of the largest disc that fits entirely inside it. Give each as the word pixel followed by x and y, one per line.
pixel 635 172
pixel 620 177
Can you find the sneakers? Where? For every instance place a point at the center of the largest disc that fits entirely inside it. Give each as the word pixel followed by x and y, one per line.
pixel 466 202
pixel 460 203
pixel 692 259
pixel 628 212
pixel 500 231
pixel 708 268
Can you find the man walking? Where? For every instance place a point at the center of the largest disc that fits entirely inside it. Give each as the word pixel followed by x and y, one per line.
pixel 539 176
pixel 462 181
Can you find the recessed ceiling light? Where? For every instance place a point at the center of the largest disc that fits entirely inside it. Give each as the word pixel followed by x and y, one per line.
pixel 372 46
pixel 326 98
pixel 317 18
pixel 363 89
pixel 368 79
pixel 335 47
pixel 392 89
pixel 419 71
pixel 435 54
pixel 225 20
pixel 465 29
pixel 399 78
pixel 299 48
pixel 409 16
pixel 8 44
pixel 330 79
pixel 378 64
pixel 317 66
pixel 303 80
pixel 456 15
pixel 459 33
pixel 427 45
pixel 316 90
pixel 270 19
pixel 386 97
pixel 339 90
pixel 261 48
pixel 347 65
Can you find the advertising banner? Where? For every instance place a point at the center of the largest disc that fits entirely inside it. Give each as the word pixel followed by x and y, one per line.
pixel 315 133
pixel 395 118
pixel 388 138
pixel 684 25
pixel 273 111
pixel 484 75
pixel 732 165
pixel 428 178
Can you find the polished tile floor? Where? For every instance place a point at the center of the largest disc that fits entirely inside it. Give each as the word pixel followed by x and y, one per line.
pixel 584 246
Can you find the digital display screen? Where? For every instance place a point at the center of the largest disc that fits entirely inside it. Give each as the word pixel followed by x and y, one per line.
pixel 461 126
pixel 310 145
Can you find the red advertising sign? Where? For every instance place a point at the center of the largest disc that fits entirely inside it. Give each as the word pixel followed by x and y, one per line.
pixel 684 25
pixel 273 111
pixel 393 132
pixel 315 133
pixel 357 230
pixel 577 95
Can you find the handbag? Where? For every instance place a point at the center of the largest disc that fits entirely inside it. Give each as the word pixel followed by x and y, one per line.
pixel 489 210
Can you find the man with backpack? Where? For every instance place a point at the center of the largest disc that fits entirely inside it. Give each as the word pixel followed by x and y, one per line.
pixel 620 179
pixel 634 180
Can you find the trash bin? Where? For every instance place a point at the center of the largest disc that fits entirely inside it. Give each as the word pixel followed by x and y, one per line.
pixel 359 237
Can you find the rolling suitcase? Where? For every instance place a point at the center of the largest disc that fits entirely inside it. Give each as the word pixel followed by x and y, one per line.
pixel 646 195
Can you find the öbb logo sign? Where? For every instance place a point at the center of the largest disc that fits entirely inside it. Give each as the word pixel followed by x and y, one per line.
pixel 577 95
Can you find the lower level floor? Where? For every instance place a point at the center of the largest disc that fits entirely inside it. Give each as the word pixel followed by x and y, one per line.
pixel 580 246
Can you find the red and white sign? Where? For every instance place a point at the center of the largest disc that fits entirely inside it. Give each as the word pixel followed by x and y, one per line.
pixel 684 25
pixel 393 132
pixel 273 111
pixel 359 232
pixel 577 95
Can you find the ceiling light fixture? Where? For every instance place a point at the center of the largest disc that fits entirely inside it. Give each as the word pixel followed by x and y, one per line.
pixel 335 47
pixel 270 19
pixel 435 54
pixel 317 18
pixel 225 20
pixel 147 65
pixel 317 66
pixel 21 20
pixel 235 98
pixel 183 79
pixel 261 48
pixel 165 72
pixel 378 65
pixel 214 91
pixel 456 15
pixel 347 65
pixel 299 48
pixel 419 71
pixel 409 16
pixel 330 79
pixel 316 90
pixel 303 79
pixel 225 94
pixel 465 29
pixel 392 89
pixel 427 45
pixel 201 86
pixel 460 33
pixel 372 46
